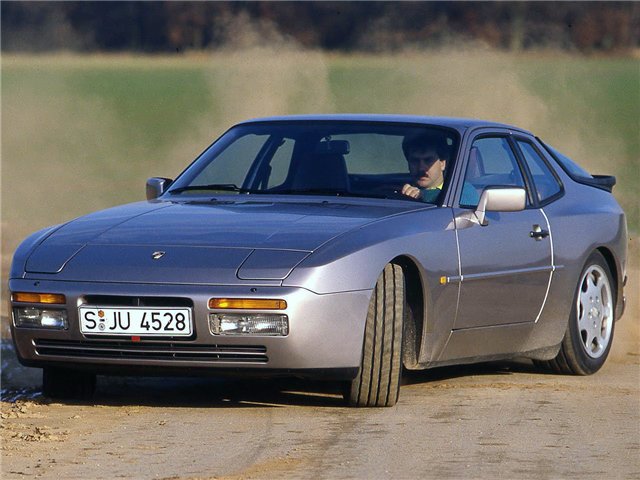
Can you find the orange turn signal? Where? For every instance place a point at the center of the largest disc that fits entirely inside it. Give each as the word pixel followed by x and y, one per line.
pixel 50 298
pixel 247 303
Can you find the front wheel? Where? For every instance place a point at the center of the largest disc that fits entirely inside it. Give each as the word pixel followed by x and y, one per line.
pixel 589 334
pixel 378 381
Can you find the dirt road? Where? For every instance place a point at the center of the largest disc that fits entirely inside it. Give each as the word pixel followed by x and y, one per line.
pixel 504 420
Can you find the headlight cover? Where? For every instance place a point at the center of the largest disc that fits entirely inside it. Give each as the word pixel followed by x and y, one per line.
pixel 258 324
pixel 33 317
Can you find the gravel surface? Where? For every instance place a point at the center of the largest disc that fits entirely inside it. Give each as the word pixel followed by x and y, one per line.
pixel 500 420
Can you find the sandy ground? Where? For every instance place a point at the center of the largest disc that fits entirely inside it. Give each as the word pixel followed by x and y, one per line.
pixel 497 421
pixel 501 420
pixel 504 420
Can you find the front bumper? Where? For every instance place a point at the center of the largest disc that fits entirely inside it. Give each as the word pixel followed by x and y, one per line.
pixel 325 334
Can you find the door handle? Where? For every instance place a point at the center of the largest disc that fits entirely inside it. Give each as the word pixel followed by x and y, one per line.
pixel 538 233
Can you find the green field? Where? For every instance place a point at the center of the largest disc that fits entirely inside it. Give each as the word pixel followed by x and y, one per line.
pixel 82 133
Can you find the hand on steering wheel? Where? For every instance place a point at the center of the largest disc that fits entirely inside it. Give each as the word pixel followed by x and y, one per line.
pixel 411 191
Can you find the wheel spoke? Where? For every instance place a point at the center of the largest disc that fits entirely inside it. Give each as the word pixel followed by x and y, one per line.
pixel 592 289
pixel 600 340
pixel 591 335
pixel 583 316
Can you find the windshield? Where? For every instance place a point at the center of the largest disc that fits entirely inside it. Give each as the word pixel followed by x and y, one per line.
pixel 313 158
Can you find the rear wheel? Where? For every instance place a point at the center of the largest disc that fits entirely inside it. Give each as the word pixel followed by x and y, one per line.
pixel 589 334
pixel 378 381
pixel 67 384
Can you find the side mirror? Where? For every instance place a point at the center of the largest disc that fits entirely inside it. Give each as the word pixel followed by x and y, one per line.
pixel 156 186
pixel 500 199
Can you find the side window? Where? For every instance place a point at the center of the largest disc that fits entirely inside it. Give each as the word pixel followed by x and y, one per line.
pixel 491 163
pixel 546 183
pixel 280 163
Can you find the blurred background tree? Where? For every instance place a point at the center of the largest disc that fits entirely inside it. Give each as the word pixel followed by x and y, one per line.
pixel 157 27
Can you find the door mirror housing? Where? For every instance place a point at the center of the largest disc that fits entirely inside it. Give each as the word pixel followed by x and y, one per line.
pixel 156 186
pixel 500 199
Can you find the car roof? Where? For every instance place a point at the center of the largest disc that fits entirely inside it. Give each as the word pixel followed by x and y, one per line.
pixel 456 123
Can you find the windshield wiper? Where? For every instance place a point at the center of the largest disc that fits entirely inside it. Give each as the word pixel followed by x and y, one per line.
pixel 224 187
pixel 325 191
pixel 230 187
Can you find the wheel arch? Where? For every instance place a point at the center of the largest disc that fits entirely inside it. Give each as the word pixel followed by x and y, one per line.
pixel 414 315
pixel 615 272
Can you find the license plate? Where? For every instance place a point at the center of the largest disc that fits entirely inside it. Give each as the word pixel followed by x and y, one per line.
pixel 136 321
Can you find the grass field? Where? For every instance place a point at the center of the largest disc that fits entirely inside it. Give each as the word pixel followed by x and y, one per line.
pixel 82 133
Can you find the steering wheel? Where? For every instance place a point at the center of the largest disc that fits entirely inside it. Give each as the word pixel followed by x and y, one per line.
pixel 394 192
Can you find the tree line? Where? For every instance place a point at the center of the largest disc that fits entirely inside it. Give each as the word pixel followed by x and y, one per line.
pixel 589 27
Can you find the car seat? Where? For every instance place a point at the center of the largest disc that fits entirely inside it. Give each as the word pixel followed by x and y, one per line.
pixel 322 171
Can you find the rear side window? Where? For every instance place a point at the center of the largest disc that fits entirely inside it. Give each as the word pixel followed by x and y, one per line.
pixel 579 174
pixel 546 183
pixel 569 165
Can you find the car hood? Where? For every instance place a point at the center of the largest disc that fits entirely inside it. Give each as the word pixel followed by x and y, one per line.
pixel 199 242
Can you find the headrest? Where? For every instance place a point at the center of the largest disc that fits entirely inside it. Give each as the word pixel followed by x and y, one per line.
pixel 339 147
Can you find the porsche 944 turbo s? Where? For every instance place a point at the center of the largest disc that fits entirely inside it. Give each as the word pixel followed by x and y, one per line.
pixel 343 247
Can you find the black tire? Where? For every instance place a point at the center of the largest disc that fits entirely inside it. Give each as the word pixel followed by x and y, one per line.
pixel 67 384
pixel 378 381
pixel 579 355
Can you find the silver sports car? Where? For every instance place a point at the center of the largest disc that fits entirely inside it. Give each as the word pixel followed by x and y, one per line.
pixel 344 247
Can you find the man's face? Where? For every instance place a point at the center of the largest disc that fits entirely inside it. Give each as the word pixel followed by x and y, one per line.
pixel 426 168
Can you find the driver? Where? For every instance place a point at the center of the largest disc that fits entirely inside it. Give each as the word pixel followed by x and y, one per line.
pixel 427 160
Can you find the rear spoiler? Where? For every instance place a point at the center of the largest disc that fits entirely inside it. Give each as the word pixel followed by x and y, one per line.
pixel 604 182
